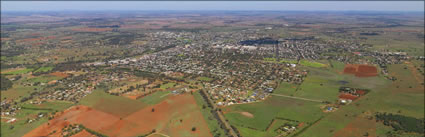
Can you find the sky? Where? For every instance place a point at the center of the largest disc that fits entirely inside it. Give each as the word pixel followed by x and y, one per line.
pixel 214 5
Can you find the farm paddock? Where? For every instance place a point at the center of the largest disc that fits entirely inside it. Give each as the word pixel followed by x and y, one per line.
pixel 176 115
pixel 360 70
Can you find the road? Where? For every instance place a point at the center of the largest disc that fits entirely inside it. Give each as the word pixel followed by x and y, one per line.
pixel 221 117
pixel 298 98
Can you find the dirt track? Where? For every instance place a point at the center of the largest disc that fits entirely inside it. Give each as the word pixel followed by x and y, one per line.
pixel 297 98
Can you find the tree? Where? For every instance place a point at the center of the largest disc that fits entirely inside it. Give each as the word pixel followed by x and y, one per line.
pixel 193 128
pixel 153 110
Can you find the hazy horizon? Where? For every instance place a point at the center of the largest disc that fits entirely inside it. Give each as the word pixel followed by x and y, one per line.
pixel 37 6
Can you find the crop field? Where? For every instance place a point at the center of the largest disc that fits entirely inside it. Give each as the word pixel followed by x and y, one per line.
pixel 361 70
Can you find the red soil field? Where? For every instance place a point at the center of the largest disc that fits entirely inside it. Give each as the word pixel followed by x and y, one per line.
pixel 347 96
pixel 83 133
pixel 59 74
pixel 144 120
pixel 361 70
pixel 92 29
pixel 89 117
pixel 360 92
pixel 165 119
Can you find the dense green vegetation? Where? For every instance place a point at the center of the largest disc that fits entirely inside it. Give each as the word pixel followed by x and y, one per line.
pixel 5 83
pixel 400 122
pixel 206 111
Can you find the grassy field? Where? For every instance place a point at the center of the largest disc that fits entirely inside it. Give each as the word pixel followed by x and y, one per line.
pixel 207 79
pixel 44 69
pixel 155 98
pixel 44 78
pixel 168 85
pixel 264 112
pixel 322 83
pixel 30 111
pixel 311 64
pixel 213 124
pixel 17 71
pixel 116 105
pixel 385 96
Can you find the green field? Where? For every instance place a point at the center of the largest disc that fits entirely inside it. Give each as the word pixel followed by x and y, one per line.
pixel 30 111
pixel 116 105
pixel 18 71
pixel 168 85
pixel 44 69
pixel 44 78
pixel 264 112
pixel 155 98
pixel 207 79
pixel 311 64
pixel 385 96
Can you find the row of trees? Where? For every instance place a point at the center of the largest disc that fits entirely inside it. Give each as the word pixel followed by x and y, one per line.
pixel 402 123
pixel 5 83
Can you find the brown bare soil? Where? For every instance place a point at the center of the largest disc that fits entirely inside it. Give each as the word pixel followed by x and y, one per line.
pixel 247 114
pixel 347 96
pixel 361 70
pixel 162 119
pixel 83 133
pixel 87 116
pixel 59 74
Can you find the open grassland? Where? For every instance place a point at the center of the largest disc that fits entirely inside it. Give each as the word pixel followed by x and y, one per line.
pixel 155 98
pixel 44 69
pixel 264 112
pixel 320 84
pixel 398 97
pixel 323 84
pixel 16 71
pixel 116 105
pixel 311 64
pixel 168 85
pixel 30 111
pixel 398 41
pixel 44 78
pixel 18 91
